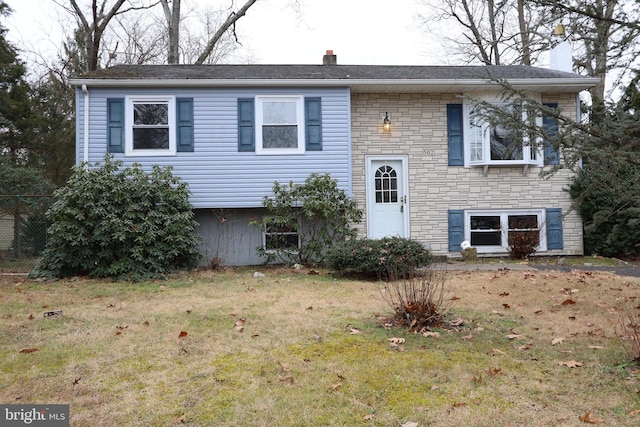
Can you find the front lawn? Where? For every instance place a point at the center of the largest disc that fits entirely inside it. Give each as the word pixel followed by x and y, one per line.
pixel 226 348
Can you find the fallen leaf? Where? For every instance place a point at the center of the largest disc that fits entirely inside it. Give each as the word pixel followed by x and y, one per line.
pixel 459 405
pixel 368 417
pixel 429 334
pixel 494 371
pixel 29 350
pixel 354 331
pixel 497 313
pixel 181 420
pixel 77 380
pixel 466 338
pixel 334 387
pixel 183 334
pixel 500 352
pixel 568 301
pixel 571 364
pixel 506 306
pixel 515 337
pixel 31 317
pixel 558 340
pixel 455 298
pixel 458 321
pixel 240 324
pixel 410 424
pixel 395 340
pixel 395 346
pixel 145 323
pixel 313 273
pixel 634 413
pixel 504 294
pixel 286 379
pixel 525 347
pixel 597 347
pixel 586 418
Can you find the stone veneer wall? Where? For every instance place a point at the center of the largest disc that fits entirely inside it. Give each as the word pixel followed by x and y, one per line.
pixel 419 131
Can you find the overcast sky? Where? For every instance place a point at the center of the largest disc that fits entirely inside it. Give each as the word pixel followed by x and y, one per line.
pixel 358 31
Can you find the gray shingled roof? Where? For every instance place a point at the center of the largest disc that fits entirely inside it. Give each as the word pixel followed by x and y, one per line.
pixel 359 78
pixel 325 72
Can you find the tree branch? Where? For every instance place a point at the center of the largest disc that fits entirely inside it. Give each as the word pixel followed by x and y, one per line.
pixel 231 20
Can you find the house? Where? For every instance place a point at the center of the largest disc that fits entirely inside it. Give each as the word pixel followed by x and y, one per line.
pixel 401 140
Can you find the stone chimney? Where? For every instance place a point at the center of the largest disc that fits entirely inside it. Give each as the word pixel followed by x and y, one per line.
pixel 560 57
pixel 329 58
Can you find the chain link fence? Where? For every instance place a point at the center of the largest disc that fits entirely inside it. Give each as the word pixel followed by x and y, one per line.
pixel 23 225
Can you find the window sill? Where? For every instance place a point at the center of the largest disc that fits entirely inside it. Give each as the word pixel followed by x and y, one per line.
pixel 149 153
pixel 485 166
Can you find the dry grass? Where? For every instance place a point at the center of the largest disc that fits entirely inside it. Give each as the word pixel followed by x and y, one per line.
pixel 311 351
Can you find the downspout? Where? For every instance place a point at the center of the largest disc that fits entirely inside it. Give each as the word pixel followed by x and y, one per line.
pixel 579 119
pixel 85 144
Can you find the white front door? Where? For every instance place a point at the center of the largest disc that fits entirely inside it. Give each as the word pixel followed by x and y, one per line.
pixel 386 198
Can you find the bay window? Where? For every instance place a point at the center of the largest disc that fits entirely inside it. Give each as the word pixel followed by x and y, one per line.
pixel 495 144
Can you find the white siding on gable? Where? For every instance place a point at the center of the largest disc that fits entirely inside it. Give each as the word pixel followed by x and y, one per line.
pixel 218 175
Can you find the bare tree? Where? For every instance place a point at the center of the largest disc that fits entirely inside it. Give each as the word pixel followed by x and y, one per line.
pixel 494 32
pixel 96 23
pixel 604 34
pixel 173 17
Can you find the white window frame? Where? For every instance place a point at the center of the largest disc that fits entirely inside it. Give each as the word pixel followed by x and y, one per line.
pixel 264 237
pixel 504 227
pixel 128 123
pixel 471 133
pixel 300 123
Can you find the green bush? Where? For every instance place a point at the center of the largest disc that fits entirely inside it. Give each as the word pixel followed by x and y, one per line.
pixel 121 223
pixel 306 220
pixel 387 258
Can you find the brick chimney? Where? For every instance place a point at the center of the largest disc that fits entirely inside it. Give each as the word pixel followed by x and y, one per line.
pixel 329 58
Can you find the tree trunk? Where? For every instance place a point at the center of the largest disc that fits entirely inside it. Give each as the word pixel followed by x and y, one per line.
pixel 524 35
pixel 173 25
pixel 494 37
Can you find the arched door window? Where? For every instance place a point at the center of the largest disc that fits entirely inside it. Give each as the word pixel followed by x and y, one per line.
pixel 386 181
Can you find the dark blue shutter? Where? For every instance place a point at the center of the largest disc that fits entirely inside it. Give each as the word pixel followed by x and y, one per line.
pixel 313 123
pixel 550 123
pixel 115 125
pixel 454 135
pixel 184 119
pixel 246 124
pixel 554 228
pixel 456 229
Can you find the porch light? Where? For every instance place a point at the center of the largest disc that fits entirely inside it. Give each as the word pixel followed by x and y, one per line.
pixel 386 123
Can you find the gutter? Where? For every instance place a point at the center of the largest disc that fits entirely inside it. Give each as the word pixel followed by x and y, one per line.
pixel 86 124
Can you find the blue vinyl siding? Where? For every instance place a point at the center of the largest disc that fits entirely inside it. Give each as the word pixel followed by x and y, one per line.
pixel 218 175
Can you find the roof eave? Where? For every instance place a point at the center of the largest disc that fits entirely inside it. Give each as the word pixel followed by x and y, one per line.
pixel 357 85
